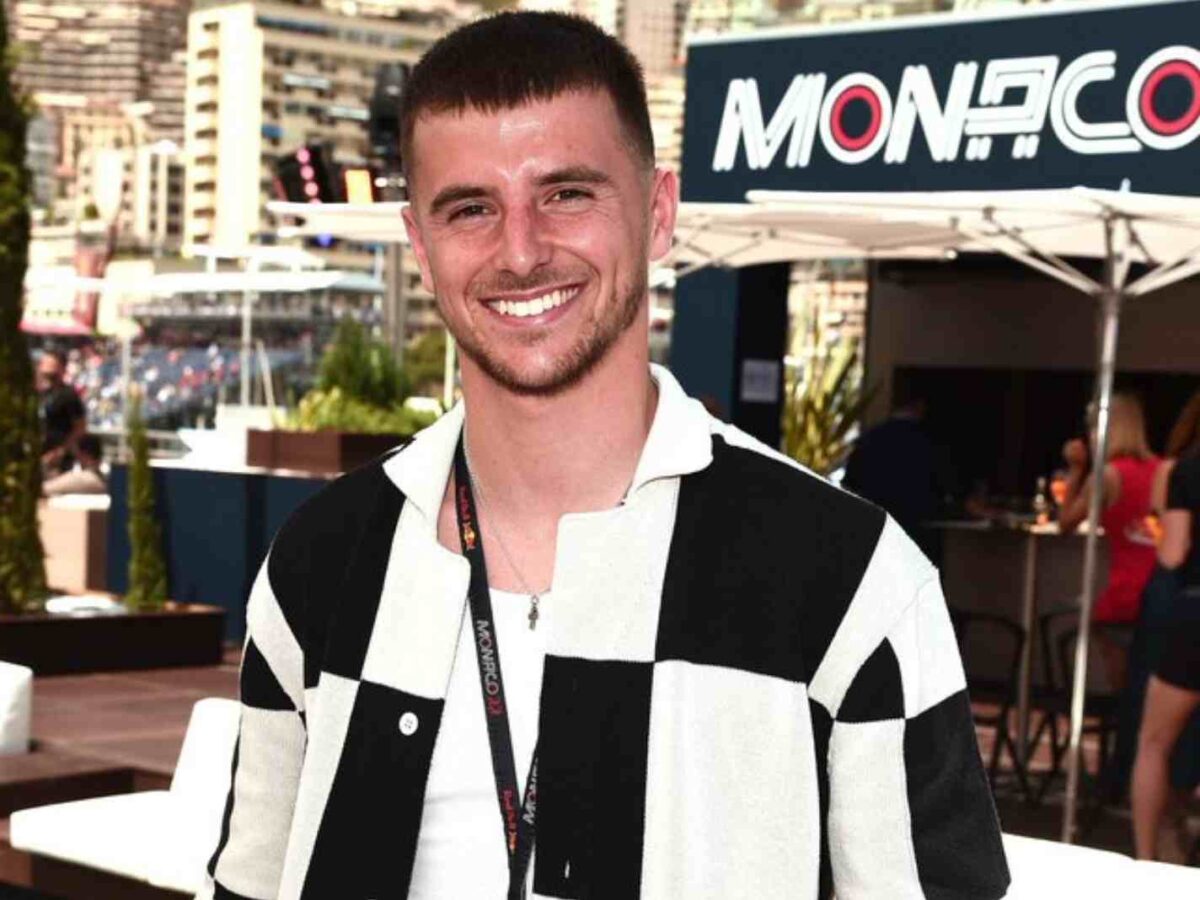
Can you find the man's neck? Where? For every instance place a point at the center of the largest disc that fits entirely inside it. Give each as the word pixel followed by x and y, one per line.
pixel 574 451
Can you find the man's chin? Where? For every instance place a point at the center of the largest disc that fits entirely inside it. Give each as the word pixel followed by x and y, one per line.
pixel 543 375
pixel 533 381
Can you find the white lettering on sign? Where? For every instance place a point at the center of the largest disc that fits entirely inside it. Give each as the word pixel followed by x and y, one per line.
pixel 1015 99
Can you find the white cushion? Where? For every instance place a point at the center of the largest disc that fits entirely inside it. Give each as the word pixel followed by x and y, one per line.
pixel 192 821
pixel 206 757
pixel 161 837
pixel 1042 869
pixel 16 708
pixel 118 834
pixel 1155 879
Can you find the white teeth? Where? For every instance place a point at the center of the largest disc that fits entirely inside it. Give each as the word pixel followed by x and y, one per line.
pixel 533 307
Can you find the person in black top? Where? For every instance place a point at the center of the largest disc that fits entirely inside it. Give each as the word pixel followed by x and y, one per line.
pixel 64 421
pixel 1174 690
pixel 894 465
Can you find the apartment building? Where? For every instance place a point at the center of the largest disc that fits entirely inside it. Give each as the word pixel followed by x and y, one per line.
pixel 652 29
pixel 265 78
pixel 106 78
pixel 664 99
pixel 95 48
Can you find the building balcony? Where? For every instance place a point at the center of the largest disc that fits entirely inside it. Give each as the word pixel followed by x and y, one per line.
pixel 201 95
pixel 203 67
pixel 203 174
pixel 202 148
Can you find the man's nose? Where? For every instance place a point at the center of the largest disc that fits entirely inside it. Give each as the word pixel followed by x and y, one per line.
pixel 524 245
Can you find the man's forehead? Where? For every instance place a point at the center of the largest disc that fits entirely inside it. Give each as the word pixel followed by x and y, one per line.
pixel 527 141
pixel 527 117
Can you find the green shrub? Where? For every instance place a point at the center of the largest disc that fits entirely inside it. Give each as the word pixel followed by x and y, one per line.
pixel 823 404
pixel 147 570
pixel 22 558
pixel 362 367
pixel 360 388
pixel 334 410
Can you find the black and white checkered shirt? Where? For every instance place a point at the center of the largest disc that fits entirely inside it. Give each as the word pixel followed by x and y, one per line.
pixel 751 690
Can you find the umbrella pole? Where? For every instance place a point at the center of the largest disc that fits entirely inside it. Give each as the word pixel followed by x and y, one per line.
pixel 1110 313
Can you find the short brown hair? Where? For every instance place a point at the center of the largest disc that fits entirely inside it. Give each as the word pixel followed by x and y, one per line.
pixel 513 58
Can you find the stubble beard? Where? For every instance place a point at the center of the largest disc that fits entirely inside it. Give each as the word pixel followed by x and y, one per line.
pixel 570 368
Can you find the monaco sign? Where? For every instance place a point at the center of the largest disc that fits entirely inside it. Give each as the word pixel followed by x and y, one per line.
pixel 944 106
pixel 1048 94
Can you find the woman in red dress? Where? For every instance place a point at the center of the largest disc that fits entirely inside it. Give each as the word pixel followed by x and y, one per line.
pixel 1129 475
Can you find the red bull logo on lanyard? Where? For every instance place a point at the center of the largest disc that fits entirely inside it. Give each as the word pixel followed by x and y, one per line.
pixel 986 108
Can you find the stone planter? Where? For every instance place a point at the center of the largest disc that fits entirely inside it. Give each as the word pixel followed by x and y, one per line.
pixel 328 452
pixel 181 634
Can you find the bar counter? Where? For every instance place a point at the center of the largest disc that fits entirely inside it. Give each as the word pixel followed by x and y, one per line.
pixel 1016 569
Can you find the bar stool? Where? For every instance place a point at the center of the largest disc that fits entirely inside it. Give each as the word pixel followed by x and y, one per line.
pixel 980 629
pixel 1059 632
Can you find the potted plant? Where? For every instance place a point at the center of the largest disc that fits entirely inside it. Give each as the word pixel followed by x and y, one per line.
pixel 825 401
pixel 147 588
pixel 354 413
pixel 94 633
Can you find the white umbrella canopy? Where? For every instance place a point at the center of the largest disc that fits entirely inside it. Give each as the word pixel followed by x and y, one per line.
pixel 747 234
pixel 1037 227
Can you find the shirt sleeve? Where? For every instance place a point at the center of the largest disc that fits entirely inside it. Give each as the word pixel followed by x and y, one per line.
pixel 910 812
pixel 248 861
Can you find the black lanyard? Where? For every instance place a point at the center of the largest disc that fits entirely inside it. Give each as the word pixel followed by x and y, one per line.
pixel 518 823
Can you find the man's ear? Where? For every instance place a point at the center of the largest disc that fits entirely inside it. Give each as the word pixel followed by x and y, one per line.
pixel 418 245
pixel 664 205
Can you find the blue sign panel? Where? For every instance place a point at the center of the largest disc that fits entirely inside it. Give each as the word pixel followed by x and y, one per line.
pixel 1098 97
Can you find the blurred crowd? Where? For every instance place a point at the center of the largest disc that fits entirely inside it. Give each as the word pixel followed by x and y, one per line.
pixel 176 382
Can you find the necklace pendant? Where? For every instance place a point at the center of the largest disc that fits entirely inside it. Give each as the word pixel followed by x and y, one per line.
pixel 533 611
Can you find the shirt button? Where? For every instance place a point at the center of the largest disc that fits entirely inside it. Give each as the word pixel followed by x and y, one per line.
pixel 408 724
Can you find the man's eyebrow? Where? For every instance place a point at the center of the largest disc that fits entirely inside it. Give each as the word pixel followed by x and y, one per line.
pixel 568 175
pixel 453 194
pixel 578 174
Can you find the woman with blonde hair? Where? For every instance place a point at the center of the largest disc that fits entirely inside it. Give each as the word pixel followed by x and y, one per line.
pixel 1129 475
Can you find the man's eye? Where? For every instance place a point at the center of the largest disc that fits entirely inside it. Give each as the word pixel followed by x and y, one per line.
pixel 566 194
pixel 468 212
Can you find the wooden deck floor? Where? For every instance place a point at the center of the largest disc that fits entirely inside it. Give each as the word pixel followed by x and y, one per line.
pixel 136 719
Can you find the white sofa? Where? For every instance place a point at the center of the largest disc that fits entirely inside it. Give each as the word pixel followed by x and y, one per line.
pixel 161 837
pixel 1047 869
pixel 16 708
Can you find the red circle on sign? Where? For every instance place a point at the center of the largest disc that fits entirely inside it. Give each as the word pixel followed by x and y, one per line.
pixel 857 92
pixel 1152 119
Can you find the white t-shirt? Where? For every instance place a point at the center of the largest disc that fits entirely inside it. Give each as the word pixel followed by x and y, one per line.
pixel 460 848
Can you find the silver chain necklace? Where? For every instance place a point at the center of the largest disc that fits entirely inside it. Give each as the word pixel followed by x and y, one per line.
pixel 534 596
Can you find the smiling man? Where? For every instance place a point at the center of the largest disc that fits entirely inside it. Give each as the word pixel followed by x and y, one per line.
pixel 721 677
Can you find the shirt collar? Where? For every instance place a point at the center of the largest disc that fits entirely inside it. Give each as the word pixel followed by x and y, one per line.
pixel 679 443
